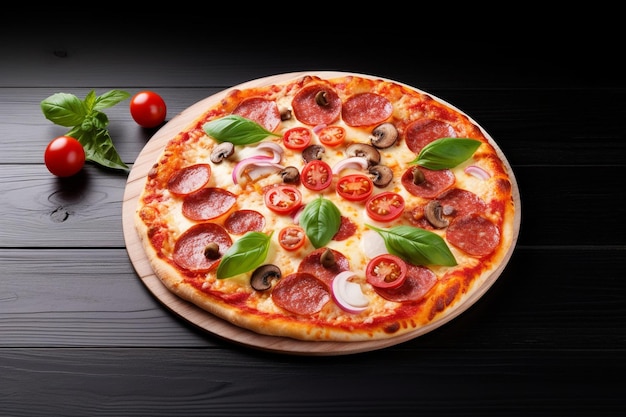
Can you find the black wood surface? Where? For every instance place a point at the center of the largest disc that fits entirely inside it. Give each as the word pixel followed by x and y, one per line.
pixel 81 336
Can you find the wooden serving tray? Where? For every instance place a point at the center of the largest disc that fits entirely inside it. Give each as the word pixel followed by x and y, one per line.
pixel 216 325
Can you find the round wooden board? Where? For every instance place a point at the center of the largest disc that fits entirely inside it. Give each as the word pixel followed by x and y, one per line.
pixel 215 325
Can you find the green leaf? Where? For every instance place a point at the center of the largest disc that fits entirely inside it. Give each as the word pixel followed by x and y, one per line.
pixel 244 255
pixel 320 220
pixel 110 99
pixel 237 130
pixel 417 246
pixel 64 109
pixel 446 153
pixel 98 147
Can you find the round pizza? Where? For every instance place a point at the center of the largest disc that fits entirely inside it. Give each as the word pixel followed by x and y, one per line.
pixel 344 208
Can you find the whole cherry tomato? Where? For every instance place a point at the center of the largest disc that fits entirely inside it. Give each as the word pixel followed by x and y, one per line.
pixel 64 156
pixel 148 109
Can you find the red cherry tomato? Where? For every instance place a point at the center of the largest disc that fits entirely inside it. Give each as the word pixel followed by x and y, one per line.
pixel 316 175
pixel 291 237
pixel 297 138
pixel 283 199
pixel 64 156
pixel 148 109
pixel 385 206
pixel 332 135
pixel 355 187
pixel 386 271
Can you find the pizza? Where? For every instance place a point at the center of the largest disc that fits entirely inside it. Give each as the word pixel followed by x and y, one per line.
pixel 344 208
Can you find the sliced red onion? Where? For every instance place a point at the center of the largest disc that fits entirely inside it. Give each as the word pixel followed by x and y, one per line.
pixel 356 162
pixel 253 163
pixel 478 172
pixel 317 129
pixel 347 294
pixel 296 214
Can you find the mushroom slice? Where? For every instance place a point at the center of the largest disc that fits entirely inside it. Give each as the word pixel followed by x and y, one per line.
pixel 313 152
pixel 222 151
pixel 434 214
pixel 290 175
pixel 261 279
pixel 381 175
pixel 384 135
pixel 365 151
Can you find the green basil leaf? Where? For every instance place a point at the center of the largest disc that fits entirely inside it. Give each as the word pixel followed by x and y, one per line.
pixel 446 153
pixel 320 220
pixel 110 99
pixel 64 109
pixel 237 130
pixel 98 147
pixel 244 255
pixel 417 246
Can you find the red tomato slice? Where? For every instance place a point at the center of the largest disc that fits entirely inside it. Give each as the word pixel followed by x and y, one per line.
pixel 283 199
pixel 316 175
pixel 297 138
pixel 355 187
pixel 291 237
pixel 385 206
pixel 386 271
pixel 332 135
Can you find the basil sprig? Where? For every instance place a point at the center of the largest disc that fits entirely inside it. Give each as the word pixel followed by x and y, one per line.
pixel 244 255
pixel 417 246
pixel 446 153
pixel 88 123
pixel 320 220
pixel 237 130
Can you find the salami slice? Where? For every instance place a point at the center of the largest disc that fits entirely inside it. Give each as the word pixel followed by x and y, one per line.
pixel 316 104
pixel 242 221
pixel 189 179
pixel 261 110
pixel 421 132
pixel 208 203
pixel 434 181
pixel 301 293
pixel 419 281
pixel 190 250
pixel 473 234
pixel 457 202
pixel 366 109
pixel 346 229
pixel 312 265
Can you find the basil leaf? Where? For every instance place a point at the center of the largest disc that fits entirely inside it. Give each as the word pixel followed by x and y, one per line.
pixel 110 99
pixel 320 220
pixel 417 246
pixel 237 130
pixel 446 153
pixel 98 147
pixel 244 255
pixel 64 109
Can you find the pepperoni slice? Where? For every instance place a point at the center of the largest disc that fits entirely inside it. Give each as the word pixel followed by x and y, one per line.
pixel 473 234
pixel 316 104
pixel 208 203
pixel 242 221
pixel 261 110
pixel 301 293
pixel 346 229
pixel 311 264
pixel 190 249
pixel 419 281
pixel 458 202
pixel 423 131
pixel 435 182
pixel 189 179
pixel 366 109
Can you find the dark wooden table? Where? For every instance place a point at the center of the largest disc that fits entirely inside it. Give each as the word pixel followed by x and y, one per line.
pixel 80 335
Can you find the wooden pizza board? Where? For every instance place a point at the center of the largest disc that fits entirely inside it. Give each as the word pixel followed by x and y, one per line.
pixel 221 328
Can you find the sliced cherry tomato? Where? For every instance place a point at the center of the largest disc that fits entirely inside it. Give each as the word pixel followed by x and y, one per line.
pixel 355 187
pixel 386 271
pixel 316 175
pixel 332 135
pixel 283 199
pixel 64 156
pixel 297 138
pixel 291 237
pixel 148 109
pixel 385 206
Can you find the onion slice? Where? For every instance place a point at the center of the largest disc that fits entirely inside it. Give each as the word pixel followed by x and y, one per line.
pixel 347 294
pixel 256 166
pixel 478 172
pixel 356 162
pixel 373 244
